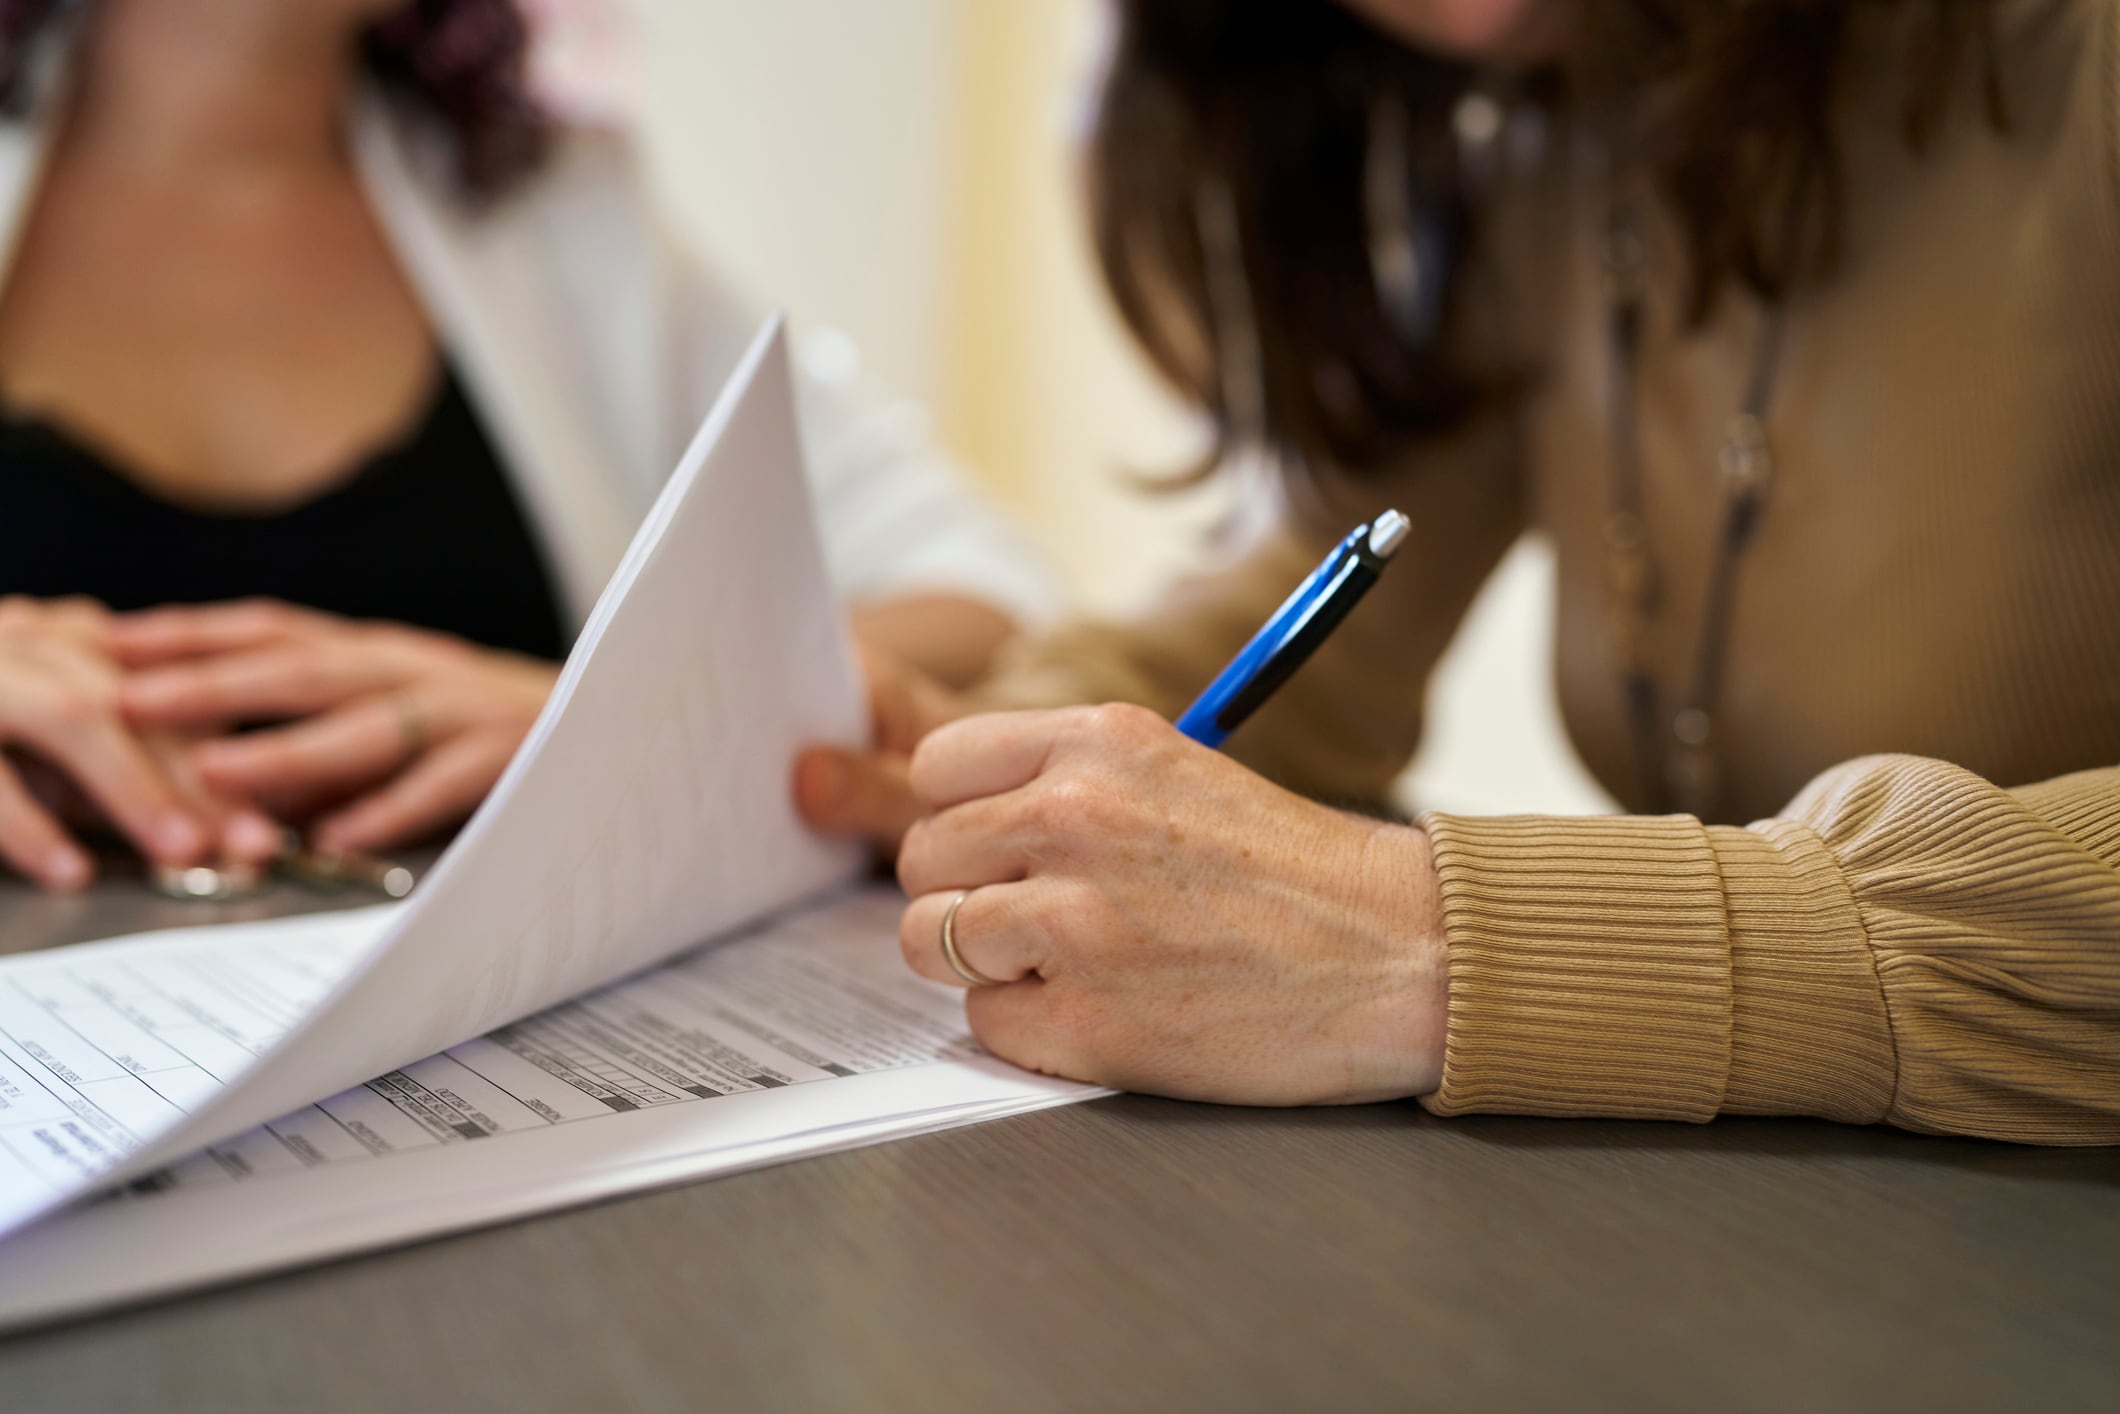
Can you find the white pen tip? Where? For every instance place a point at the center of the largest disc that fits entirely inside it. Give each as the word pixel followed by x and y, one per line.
pixel 1386 533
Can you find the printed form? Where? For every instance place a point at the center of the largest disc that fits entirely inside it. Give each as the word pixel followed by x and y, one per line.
pixel 104 1047
pixel 708 1064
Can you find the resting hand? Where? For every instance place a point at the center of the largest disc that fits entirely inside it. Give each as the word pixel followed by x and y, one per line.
pixel 865 795
pixel 414 726
pixel 59 709
pixel 1162 919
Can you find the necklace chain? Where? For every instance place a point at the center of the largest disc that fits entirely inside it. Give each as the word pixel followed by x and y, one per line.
pixel 1676 754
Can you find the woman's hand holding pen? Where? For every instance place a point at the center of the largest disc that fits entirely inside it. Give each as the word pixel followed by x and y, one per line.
pixel 398 731
pixel 1130 908
pixel 1157 917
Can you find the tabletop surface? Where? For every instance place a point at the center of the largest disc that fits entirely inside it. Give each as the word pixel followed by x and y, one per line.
pixel 1143 1254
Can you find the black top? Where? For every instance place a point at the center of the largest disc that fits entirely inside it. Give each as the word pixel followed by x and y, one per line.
pixel 427 532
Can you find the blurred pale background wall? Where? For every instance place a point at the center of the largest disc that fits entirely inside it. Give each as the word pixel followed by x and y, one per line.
pixel 900 170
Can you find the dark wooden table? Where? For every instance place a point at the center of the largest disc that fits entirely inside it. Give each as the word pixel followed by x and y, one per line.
pixel 1142 1254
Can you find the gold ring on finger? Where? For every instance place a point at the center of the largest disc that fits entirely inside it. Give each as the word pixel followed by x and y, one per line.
pixel 950 955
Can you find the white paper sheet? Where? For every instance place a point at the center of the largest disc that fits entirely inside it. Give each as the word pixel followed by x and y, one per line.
pixel 108 1042
pixel 806 1037
pixel 648 810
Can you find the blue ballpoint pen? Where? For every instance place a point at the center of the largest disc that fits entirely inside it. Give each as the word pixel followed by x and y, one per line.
pixel 1295 630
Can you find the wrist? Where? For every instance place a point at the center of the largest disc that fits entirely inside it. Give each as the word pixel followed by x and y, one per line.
pixel 1398 892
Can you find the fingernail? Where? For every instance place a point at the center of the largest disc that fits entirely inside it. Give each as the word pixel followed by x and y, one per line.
pixel 178 837
pixel 251 837
pixel 66 868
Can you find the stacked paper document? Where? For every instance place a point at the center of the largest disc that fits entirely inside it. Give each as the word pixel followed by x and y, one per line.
pixel 190 1106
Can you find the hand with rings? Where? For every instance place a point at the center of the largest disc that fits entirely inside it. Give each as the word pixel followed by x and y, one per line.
pixel 391 731
pixel 1127 907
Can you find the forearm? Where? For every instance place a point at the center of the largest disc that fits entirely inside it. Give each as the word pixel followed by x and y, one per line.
pixel 1909 944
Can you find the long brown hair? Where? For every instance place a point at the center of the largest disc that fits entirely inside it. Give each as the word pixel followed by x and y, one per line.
pixel 1233 201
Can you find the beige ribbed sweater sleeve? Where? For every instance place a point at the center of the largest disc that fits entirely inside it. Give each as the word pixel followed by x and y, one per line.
pixel 1907 943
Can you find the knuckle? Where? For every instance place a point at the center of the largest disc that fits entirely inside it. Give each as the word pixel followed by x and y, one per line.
pixel 1126 723
pixel 1071 805
pixel 1075 932
pixel 913 853
pixel 929 755
pixel 1043 921
pixel 931 855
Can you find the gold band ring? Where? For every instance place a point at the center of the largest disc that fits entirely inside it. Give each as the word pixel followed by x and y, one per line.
pixel 950 955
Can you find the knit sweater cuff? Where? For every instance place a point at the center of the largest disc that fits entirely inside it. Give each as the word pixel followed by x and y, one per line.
pixel 1653 968
pixel 1809 1034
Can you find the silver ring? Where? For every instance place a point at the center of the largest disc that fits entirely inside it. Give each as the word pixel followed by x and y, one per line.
pixel 950 954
